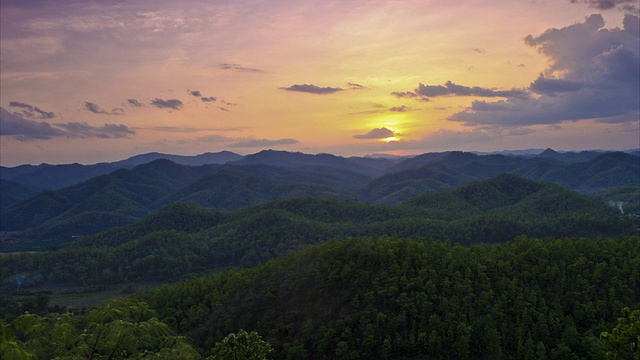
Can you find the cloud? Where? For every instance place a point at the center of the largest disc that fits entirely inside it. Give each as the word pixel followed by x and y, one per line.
pixel 263 143
pixel 355 86
pixel 94 108
pixel 174 104
pixel 195 93
pixel 16 125
pixel 223 109
pixel 312 89
pixel 84 130
pixel 134 103
pixel 32 112
pixel 478 50
pixel 551 86
pixel 450 88
pixel 239 68
pixel 409 95
pixel 593 73
pixel 216 138
pixel 402 108
pixel 607 4
pixel 208 98
pixel 22 129
pixel 377 133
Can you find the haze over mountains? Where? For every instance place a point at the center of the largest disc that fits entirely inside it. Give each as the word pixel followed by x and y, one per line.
pixel 66 200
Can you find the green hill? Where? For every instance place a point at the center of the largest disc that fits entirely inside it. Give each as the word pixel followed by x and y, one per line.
pixel 388 298
pixel 182 240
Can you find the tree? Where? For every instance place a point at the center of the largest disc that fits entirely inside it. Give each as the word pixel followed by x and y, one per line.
pixel 241 346
pixel 624 340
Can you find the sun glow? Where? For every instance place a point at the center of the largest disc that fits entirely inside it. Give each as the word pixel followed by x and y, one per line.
pixel 390 139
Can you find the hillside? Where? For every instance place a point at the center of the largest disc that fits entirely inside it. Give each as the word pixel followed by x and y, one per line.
pixel 123 192
pixel 54 177
pixel 441 171
pixel 126 195
pixel 387 298
pixel 182 240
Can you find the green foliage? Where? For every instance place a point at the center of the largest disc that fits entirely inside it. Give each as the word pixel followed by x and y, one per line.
pixel 241 346
pixel 623 342
pixel 383 297
pixel 121 329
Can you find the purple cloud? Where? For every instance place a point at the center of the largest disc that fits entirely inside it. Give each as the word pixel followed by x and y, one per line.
pixel 174 104
pixel 377 133
pixel 312 89
pixel 22 129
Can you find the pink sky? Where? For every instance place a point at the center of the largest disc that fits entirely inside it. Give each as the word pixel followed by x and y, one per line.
pixel 87 82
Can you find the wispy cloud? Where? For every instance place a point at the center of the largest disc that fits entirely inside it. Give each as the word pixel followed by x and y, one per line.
pixel 23 129
pixel 96 109
pixel 377 133
pixel 263 143
pixel 402 108
pixel 174 104
pixel 239 68
pixel 312 89
pixel 134 103
pixel 32 112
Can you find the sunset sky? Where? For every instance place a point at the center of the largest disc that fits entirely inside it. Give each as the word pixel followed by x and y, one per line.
pixel 92 81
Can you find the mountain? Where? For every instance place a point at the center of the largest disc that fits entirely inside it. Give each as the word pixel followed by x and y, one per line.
pixel 570 157
pixel 130 194
pixel 222 157
pixel 55 177
pixel 369 166
pixel 13 193
pixel 439 171
pixel 182 239
pixel 123 192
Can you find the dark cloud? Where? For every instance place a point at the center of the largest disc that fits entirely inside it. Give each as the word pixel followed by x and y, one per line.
pixel 134 103
pixel 355 86
pixel 16 125
pixel 409 95
pixel 478 50
pixel 84 130
pixel 450 88
pixel 606 4
pixel 174 104
pixel 208 98
pixel 22 129
pixel 263 143
pixel 223 109
pixel 377 133
pixel 594 73
pixel 550 86
pixel 312 89
pixel 402 108
pixel 94 108
pixel 32 112
pixel 195 93
pixel 239 68
pixel 228 103
pixel 216 138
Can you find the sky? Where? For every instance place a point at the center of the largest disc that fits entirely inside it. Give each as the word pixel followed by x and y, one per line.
pixel 98 81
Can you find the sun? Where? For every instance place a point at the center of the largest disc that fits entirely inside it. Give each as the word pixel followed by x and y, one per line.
pixel 391 138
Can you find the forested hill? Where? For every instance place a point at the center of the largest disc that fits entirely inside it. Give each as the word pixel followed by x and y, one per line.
pixel 387 298
pixel 124 196
pixel 183 241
